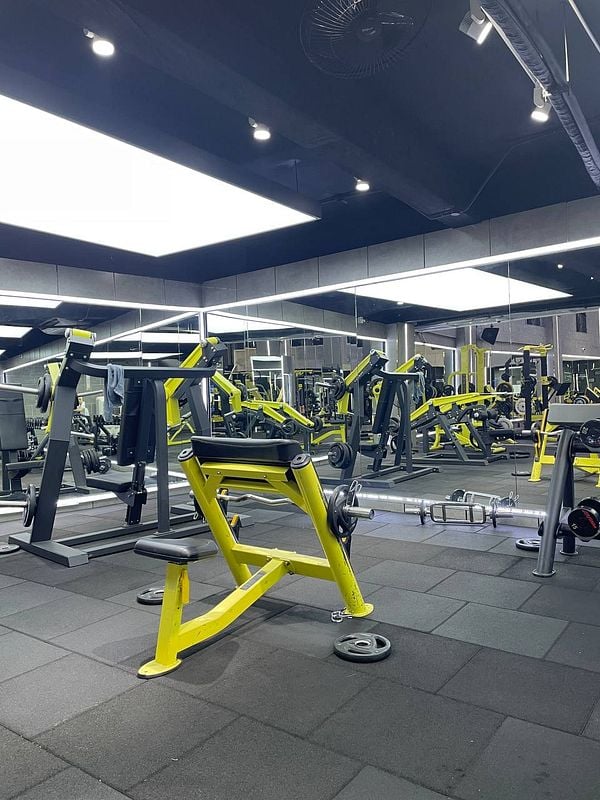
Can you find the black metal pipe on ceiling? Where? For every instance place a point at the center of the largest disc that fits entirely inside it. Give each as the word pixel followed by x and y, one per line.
pixel 510 17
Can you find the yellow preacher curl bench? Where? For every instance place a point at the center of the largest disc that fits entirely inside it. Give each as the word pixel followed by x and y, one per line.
pixel 214 467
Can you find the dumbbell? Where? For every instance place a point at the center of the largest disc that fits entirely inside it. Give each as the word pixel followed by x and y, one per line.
pixel 584 520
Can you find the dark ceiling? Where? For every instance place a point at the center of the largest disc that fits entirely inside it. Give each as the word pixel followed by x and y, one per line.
pixel 428 132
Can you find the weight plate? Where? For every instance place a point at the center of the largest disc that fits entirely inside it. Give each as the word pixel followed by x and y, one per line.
pixel 520 406
pixel 584 521
pixel 318 423
pixel 338 387
pixel 151 597
pixel 44 392
pixel 580 400
pixel 289 428
pixel 30 505
pixel 362 647
pixel 448 390
pixel 457 495
pixel 589 433
pixel 531 545
pixel 340 455
pixel 340 524
pixel 6 549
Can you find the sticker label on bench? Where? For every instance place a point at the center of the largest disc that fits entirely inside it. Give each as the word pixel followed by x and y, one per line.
pixel 254 579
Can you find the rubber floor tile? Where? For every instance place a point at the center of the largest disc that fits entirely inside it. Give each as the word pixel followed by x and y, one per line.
pixel 322 594
pixel 308 689
pixel 537 691
pixel 52 574
pixel 23 764
pixel 423 737
pixel 411 552
pixel 489 590
pixel 578 646
pixel 568 576
pixel 422 612
pixel 304 630
pixel 473 561
pixel 416 577
pixel 37 700
pixel 109 582
pixel 61 616
pixel 25 595
pixel 127 738
pixel 405 533
pixel 72 784
pixel 466 540
pixel 251 761
pixel 20 653
pixel 499 628
pixel 115 638
pixel 8 580
pixel 421 660
pixel 592 729
pixel 374 784
pixel 528 761
pixel 569 604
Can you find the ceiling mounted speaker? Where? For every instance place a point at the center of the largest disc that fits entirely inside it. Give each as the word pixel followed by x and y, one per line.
pixel 490 335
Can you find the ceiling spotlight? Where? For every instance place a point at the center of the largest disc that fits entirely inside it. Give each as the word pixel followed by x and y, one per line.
pixel 261 132
pixel 559 266
pixel 362 185
pixel 101 46
pixel 475 23
pixel 542 105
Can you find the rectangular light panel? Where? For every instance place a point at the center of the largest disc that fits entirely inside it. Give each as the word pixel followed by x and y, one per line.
pixel 216 323
pixel 27 302
pixel 65 179
pixel 460 290
pixel 13 331
pixel 127 355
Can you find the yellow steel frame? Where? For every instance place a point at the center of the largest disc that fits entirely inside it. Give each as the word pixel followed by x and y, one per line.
pixel 465 371
pixel 302 487
pixel 278 411
pixel 548 434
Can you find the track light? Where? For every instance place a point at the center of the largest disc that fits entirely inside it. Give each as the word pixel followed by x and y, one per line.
pixel 559 266
pixel 362 185
pixel 475 24
pixel 542 105
pixel 260 131
pixel 101 46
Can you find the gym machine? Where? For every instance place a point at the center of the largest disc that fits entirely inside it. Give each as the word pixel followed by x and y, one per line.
pixel 143 433
pixel 207 354
pixel 215 467
pixel 461 429
pixel 387 432
pixel 556 417
pixel 563 519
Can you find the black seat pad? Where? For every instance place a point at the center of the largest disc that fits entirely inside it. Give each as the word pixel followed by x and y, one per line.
pixel 114 482
pixel 276 452
pixel 177 551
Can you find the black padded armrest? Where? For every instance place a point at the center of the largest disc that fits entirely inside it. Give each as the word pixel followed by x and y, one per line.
pixel 277 452
pixel 177 551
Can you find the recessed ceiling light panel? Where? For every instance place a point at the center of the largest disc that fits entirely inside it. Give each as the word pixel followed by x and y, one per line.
pixel 62 178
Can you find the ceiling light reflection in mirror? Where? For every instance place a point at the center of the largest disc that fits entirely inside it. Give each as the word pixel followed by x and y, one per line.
pixel 466 290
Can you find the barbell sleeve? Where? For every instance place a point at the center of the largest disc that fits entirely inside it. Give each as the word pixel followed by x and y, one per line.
pixel 359 513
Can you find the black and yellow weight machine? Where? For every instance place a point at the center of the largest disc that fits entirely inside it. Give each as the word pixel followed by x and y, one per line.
pixel 142 439
pixel 389 430
pixel 221 466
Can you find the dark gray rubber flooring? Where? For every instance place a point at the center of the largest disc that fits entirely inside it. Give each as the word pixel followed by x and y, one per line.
pixel 492 691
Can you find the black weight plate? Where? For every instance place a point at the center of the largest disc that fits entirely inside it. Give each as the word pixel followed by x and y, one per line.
pixel 44 392
pixel 340 455
pixel 6 549
pixel 584 521
pixel 30 507
pixel 362 647
pixel 589 433
pixel 457 495
pixel 151 597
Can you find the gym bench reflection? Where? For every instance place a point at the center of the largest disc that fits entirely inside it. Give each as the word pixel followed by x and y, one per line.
pixel 214 467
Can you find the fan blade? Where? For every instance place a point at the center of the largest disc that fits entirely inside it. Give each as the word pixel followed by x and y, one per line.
pixel 395 18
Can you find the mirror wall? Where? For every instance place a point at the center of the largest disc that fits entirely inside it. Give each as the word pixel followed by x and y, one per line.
pixel 498 347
